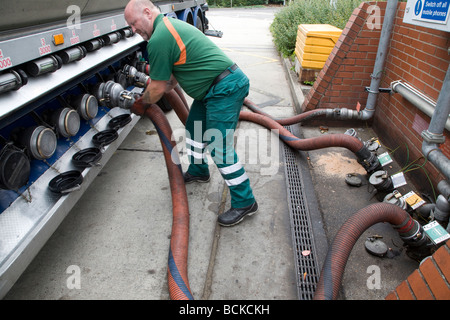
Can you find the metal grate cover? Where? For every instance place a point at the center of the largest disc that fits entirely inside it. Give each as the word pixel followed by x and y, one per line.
pixel 302 234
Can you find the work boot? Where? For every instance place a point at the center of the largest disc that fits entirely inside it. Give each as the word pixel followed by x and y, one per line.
pixel 236 215
pixel 189 178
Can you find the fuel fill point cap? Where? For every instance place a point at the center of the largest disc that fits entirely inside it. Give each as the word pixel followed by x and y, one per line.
pixel 376 247
pixel 66 182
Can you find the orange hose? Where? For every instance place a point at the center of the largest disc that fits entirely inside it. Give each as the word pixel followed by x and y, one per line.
pixel 178 105
pixel 331 140
pixel 179 242
pixel 333 268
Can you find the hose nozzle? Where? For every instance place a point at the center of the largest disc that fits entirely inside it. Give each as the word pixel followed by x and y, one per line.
pixel 112 94
pixel 418 246
pixel 368 160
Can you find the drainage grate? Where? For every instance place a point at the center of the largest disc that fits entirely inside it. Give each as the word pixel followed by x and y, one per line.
pixel 302 235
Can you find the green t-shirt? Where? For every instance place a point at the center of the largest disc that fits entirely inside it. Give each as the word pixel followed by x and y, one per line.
pixel 179 48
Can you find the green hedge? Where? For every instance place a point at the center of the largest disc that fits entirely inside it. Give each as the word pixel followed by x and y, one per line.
pixel 236 3
pixel 285 25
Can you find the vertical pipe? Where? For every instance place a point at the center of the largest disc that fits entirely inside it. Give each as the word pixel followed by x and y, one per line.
pixel 434 135
pixel 385 38
pixel 440 115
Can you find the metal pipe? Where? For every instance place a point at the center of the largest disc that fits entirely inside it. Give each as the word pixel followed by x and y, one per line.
pixel 388 24
pixel 433 136
pixel 418 99
pixel 444 189
pixel 440 116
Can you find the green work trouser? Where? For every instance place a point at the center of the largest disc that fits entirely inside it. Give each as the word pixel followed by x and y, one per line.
pixel 210 126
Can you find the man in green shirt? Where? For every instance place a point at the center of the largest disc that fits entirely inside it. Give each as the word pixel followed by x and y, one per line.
pixel 179 53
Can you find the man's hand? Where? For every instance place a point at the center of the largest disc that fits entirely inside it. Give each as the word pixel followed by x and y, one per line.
pixel 139 106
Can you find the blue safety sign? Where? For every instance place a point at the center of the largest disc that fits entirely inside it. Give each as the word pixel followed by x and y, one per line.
pixel 436 11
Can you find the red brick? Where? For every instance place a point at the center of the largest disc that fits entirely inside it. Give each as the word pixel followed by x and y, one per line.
pixel 442 53
pixel 410 49
pixel 363 75
pixel 420 55
pixel 437 74
pixel 350 33
pixel 348 61
pixel 435 280
pixel 353 68
pixel 442 258
pixel 365 41
pixel 357 55
pixel 342 87
pixel 419 286
pixel 423 67
pixel 391 296
pixel 429 49
pixel 352 82
pixel 338 100
pixel 369 34
pixel 366 62
pixel 371 56
pixel 428 79
pixel 359 21
pixel 343 74
pixel 437 41
pixel 404 292
pixel 374 41
pixel 433 93
pixel 325 77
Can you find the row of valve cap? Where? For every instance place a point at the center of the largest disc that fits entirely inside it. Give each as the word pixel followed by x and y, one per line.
pixel 18 77
pixel 40 141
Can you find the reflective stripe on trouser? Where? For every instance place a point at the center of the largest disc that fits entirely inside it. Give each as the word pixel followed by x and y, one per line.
pixel 210 126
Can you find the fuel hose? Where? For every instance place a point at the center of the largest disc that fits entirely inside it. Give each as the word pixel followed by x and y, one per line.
pixel 178 252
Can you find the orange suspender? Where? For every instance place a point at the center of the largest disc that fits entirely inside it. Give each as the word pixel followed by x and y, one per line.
pixel 180 43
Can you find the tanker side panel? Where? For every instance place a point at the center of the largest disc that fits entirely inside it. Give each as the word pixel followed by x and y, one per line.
pixel 27 14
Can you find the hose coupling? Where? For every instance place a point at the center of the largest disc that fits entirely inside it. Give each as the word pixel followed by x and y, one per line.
pixel 342 114
pixel 368 160
pixel 130 76
pixel 417 244
pixel 411 232
pixel 112 94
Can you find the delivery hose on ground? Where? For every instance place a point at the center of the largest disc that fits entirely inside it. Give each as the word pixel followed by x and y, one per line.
pixel 332 140
pixel 287 121
pixel 368 160
pixel 178 252
pixel 333 268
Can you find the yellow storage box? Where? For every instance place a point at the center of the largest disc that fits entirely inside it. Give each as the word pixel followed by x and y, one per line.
pixel 315 43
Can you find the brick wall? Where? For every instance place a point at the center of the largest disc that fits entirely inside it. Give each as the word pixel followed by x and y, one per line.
pixel 429 281
pixel 416 55
pixel 342 81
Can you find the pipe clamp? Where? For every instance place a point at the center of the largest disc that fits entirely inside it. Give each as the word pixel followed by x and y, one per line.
pixel 432 137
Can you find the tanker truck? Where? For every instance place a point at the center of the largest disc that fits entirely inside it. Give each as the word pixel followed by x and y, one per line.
pixel 68 72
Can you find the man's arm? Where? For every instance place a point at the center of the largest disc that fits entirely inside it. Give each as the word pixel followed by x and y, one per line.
pixel 156 89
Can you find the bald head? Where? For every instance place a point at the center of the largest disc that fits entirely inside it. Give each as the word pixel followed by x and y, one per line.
pixel 140 15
